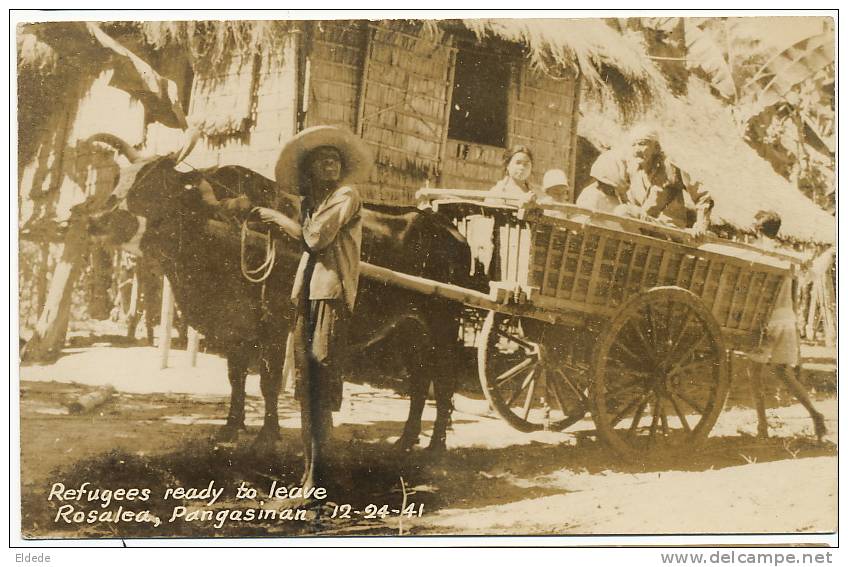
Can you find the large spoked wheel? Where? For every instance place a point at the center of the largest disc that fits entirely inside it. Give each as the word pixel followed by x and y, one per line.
pixel 526 375
pixel 660 374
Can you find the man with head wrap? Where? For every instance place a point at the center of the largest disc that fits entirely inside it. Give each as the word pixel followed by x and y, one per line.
pixel 652 186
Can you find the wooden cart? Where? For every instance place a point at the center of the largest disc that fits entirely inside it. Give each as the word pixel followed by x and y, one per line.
pixel 627 321
pixel 589 313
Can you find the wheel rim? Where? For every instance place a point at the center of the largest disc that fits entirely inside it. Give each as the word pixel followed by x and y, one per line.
pixel 526 380
pixel 660 376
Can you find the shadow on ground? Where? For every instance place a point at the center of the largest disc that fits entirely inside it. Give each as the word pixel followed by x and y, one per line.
pixel 127 444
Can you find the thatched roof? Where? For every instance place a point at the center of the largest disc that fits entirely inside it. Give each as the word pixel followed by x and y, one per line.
pixel 214 43
pixel 700 136
pixel 615 67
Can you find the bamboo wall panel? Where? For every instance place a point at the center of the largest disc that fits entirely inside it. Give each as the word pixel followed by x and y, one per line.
pixel 334 73
pixel 540 118
pixel 403 108
pixel 471 166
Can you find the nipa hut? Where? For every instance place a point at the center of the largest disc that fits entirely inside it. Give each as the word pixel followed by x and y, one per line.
pixel 437 102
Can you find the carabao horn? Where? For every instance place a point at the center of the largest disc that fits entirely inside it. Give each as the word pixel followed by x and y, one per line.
pixel 192 135
pixel 121 146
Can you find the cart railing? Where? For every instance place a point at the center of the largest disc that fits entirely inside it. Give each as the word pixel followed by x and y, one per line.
pixel 578 261
pixel 474 199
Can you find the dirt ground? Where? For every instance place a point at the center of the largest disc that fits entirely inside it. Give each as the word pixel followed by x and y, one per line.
pixel 157 432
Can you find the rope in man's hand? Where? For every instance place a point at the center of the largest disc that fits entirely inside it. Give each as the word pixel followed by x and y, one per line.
pixel 263 271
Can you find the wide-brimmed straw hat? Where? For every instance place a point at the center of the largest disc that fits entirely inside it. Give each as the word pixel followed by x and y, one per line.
pixel 356 158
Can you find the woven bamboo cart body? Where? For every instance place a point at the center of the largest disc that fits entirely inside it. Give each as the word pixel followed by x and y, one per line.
pixel 593 269
pixel 586 305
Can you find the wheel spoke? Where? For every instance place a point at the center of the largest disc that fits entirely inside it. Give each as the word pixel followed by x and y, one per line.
pixel 668 320
pixel 616 366
pixel 637 417
pixel 646 345
pixel 694 364
pixel 574 412
pixel 652 329
pixel 529 401
pixel 526 344
pixel 510 374
pixel 687 352
pixel 639 361
pixel 679 413
pixel 663 418
pixel 681 333
pixel 580 393
pixel 554 389
pixel 654 418
pixel 692 403
pixel 527 382
pixel 626 386
pixel 668 325
pixel 628 408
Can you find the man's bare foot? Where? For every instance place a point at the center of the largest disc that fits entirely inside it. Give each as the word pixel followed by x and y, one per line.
pixel 819 426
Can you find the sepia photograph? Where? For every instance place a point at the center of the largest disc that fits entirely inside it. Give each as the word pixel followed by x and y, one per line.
pixel 387 277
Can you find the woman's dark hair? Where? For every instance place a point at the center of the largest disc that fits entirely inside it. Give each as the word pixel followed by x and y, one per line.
pixel 517 149
pixel 767 223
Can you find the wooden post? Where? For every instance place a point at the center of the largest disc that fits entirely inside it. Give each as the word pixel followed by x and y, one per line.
pixel 193 343
pixel 812 307
pixel 443 145
pixel 99 281
pixel 289 365
pixel 572 151
pixel 363 81
pixel 166 322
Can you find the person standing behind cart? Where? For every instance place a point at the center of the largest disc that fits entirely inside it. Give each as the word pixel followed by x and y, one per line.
pixel 780 345
pixel 319 163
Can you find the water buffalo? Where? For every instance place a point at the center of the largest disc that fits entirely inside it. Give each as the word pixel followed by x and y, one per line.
pixel 162 213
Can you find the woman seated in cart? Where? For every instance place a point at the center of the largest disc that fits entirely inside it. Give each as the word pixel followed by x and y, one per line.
pixel 651 186
pixel 780 346
pixel 515 186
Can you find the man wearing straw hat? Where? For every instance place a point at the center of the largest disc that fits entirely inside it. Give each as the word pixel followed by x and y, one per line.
pixel 319 164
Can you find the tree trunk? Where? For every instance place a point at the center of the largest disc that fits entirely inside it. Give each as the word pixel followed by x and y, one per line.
pixel 52 325
pixel 42 272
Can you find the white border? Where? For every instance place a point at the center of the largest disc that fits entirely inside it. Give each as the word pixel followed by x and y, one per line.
pixel 591 553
